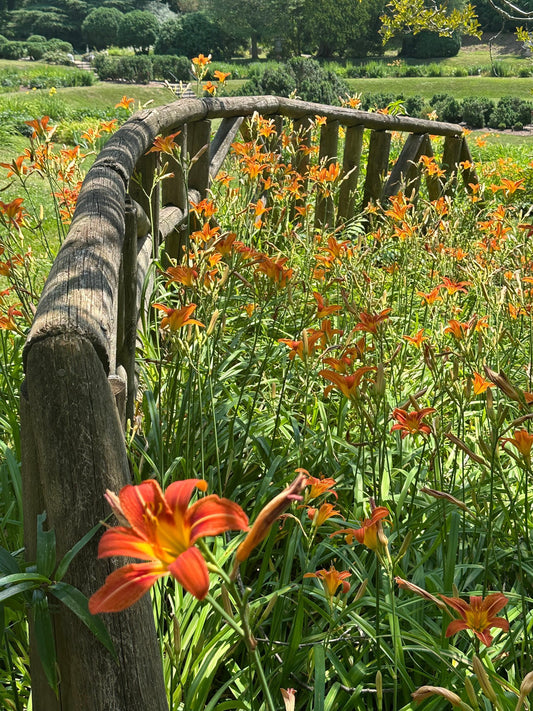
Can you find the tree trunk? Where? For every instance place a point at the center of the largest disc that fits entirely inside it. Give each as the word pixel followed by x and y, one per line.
pixel 255 49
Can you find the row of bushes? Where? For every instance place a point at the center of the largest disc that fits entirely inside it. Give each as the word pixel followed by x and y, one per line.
pixel 142 68
pixel 399 68
pixel 36 47
pixel 475 112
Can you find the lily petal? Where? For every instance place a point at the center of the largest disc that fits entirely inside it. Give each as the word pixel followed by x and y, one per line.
pixel 213 515
pixel 124 541
pixel 190 570
pixel 125 586
pixel 134 501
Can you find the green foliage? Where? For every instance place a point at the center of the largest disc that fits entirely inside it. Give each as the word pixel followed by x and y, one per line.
pixel 137 29
pixel 170 69
pixel 13 50
pixel 195 33
pixel 426 44
pixel 476 111
pixel 510 112
pixel 447 108
pixel 343 27
pixel 303 77
pixel 100 27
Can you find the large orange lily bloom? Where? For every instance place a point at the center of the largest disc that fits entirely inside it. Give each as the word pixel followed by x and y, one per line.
pixel 162 530
pixel 478 616
pixel 411 422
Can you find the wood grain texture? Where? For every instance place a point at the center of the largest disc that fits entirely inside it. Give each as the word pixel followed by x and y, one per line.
pixel 79 446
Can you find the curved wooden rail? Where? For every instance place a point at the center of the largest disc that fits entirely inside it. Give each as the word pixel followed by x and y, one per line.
pixel 79 355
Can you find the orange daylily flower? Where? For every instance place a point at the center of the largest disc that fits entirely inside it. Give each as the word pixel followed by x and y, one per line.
pixel 210 87
pixel 370 322
pixel 7 322
pixel 201 60
pixel 221 76
pixel 41 127
pixel 322 309
pixel 161 529
pixel 411 422
pixel 206 233
pixel 262 524
pixel 417 339
pixel 164 144
pixel 320 486
pixel 331 579
pixel 181 275
pixel 480 384
pixel 522 440
pixel 17 167
pixel 124 103
pixel 431 297
pixel 177 318
pixel 371 532
pixel 347 384
pixel 321 515
pixel 478 616
pixel 457 329
pixel 452 287
pixel 13 211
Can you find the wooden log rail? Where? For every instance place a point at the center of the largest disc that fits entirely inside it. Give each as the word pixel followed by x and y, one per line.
pixel 80 353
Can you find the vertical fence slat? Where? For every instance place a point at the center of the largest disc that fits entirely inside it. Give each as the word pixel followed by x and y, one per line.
pixel 130 312
pixel 302 142
pixel 221 143
pixel 198 140
pixel 327 155
pixel 468 173
pixel 450 159
pixel 143 190
pixel 351 163
pixel 378 164
pixel 405 175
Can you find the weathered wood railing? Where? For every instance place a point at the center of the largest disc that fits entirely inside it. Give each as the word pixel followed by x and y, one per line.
pixel 80 353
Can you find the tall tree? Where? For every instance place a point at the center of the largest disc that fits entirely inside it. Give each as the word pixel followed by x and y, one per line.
pixel 253 20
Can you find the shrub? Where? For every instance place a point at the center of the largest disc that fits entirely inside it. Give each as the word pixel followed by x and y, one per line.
pixel 509 111
pixel 57 57
pixel 447 108
pixel 303 76
pixel 416 106
pixel 3 40
pixel 136 69
pixel 170 68
pixel 57 45
pixel 428 44
pixel 36 50
pixel 13 50
pixel 476 111
pixel 36 38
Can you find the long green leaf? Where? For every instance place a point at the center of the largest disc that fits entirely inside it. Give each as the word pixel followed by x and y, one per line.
pixel 44 637
pixel 76 548
pixel 76 601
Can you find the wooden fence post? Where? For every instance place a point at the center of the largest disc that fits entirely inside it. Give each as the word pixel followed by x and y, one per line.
pixel 327 155
pixel 351 164
pixel 74 450
pixel 377 166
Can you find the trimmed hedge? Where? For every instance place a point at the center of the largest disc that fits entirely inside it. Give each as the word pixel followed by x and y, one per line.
pixel 142 68
pixel 509 112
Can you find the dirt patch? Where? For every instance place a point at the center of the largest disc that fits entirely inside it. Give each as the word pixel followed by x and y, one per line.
pixel 504 44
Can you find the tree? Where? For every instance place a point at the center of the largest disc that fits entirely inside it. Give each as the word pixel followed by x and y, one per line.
pixel 138 29
pixel 100 27
pixel 343 27
pixel 254 20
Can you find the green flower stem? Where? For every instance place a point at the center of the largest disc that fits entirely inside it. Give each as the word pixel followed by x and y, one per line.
pixel 227 618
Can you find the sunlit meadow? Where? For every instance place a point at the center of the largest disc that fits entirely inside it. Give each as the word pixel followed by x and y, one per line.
pixel 383 366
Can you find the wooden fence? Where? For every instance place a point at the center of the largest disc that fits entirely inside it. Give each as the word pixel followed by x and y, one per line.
pixel 80 353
